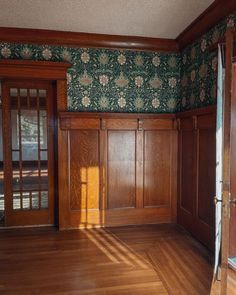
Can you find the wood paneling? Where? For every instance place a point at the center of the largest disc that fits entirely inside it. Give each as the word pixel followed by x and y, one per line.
pixel 197 164
pixel 121 169
pixel 84 169
pixel 217 11
pixel 37 36
pixel 187 171
pixel 157 168
pixel 44 70
pixel 135 158
pixel 91 115
pixel 206 176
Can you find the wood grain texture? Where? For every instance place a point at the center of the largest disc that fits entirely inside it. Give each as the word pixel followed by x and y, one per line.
pixel 121 169
pixel 186 163
pixel 46 70
pixel 29 216
pixel 177 271
pixel 196 112
pixel 121 144
pixel 35 72
pixel 206 176
pixel 89 115
pixel 122 124
pixel 84 169
pixel 196 184
pixel 76 39
pixel 143 260
pixel 157 168
pixel 231 284
pixel 117 217
pixel 217 11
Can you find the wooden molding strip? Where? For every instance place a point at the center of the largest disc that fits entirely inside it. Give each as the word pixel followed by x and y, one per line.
pixel 71 115
pixel 197 112
pixel 46 70
pixel 217 11
pixel 38 36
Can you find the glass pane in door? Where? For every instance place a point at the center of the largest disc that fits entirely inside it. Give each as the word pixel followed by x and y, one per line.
pixel 29 149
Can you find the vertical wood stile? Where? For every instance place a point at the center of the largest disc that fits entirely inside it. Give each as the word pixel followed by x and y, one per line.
pixel 139 164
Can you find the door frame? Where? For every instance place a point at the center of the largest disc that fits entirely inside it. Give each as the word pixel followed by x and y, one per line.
pixel 38 71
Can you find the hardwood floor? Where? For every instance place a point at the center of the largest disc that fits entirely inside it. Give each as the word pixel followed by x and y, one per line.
pixel 143 260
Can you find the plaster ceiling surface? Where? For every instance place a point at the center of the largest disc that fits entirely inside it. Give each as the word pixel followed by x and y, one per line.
pixel 148 18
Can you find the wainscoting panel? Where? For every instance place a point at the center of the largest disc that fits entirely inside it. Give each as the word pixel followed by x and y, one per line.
pixel 121 174
pixel 117 169
pixel 84 172
pixel 157 168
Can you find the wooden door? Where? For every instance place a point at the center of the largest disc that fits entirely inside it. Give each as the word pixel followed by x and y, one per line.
pixel 232 225
pixel 229 156
pixel 197 173
pixel 28 153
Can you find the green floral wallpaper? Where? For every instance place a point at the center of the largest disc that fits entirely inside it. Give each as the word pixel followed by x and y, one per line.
pixel 112 80
pixel 199 68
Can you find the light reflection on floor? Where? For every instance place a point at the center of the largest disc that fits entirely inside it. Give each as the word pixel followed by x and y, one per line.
pixel 116 250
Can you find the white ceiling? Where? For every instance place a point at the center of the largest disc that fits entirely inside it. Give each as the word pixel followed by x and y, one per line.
pixel 149 18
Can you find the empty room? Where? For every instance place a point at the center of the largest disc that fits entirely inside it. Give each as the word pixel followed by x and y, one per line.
pixel 117 146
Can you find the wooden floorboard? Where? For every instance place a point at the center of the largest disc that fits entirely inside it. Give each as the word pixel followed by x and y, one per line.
pixel 182 266
pixel 140 260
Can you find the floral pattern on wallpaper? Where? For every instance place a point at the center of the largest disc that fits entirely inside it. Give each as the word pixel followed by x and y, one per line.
pixel 199 68
pixel 112 80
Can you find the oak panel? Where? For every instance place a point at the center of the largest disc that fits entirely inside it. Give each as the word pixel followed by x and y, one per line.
pixel 157 168
pixel 187 163
pixel 84 169
pixel 197 166
pixel 119 217
pixel 78 123
pixel 153 124
pixel 208 121
pixel 121 169
pixel 123 124
pixel 206 175
pixel 120 141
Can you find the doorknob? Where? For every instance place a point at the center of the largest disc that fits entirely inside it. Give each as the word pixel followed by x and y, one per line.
pixel 216 200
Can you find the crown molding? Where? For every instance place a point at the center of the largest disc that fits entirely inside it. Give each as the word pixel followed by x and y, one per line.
pixel 74 39
pixel 217 11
